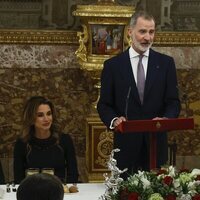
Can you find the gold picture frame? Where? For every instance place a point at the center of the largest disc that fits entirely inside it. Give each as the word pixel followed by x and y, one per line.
pixel 107 39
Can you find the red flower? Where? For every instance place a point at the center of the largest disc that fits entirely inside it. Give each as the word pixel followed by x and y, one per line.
pixel 161 171
pixel 124 194
pixel 198 178
pixel 170 197
pixel 168 180
pixel 196 197
pixel 133 196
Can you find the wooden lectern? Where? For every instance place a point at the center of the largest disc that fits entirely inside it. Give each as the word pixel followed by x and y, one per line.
pixel 154 127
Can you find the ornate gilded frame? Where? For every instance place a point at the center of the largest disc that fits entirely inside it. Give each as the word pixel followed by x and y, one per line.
pixel 10 36
pixel 177 39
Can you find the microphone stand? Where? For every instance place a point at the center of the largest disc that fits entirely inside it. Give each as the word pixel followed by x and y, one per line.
pixel 127 102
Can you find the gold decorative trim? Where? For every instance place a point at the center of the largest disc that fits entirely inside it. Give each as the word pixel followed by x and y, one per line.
pixel 38 37
pixel 94 62
pixel 70 37
pixel 158 125
pixel 177 39
pixel 104 11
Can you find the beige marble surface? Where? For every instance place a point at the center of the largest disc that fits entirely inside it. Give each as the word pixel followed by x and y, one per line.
pixel 185 57
pixel 188 162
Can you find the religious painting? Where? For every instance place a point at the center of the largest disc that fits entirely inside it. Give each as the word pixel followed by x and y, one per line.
pixel 107 39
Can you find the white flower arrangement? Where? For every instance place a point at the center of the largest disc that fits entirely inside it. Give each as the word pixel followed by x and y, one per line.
pixel 164 184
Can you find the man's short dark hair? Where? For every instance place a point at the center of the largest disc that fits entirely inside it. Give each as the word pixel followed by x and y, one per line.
pixel 140 13
pixel 40 187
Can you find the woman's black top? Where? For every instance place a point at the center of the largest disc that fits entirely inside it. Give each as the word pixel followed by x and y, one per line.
pixel 46 153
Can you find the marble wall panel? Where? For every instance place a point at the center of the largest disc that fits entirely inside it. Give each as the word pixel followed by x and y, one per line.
pixel 37 56
pixel 53 71
pixel 185 57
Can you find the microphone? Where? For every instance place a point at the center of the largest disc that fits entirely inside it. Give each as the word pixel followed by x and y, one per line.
pixel 127 102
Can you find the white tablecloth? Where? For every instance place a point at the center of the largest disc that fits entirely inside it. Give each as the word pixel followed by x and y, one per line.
pixel 87 191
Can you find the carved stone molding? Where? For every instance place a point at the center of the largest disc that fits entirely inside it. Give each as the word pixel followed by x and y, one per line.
pixel 103 10
pixel 70 37
pixel 177 39
pixel 38 37
pixel 99 144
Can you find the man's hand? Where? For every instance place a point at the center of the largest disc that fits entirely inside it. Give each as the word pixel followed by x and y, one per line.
pixel 118 121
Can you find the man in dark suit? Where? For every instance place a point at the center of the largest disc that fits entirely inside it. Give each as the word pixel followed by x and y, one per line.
pixel 122 98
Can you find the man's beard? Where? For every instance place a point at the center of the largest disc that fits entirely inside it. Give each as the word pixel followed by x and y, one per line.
pixel 139 46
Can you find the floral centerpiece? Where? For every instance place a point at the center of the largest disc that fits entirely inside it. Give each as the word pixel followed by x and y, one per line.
pixel 163 184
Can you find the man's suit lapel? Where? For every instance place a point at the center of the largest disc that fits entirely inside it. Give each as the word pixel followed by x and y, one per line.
pixel 152 72
pixel 128 75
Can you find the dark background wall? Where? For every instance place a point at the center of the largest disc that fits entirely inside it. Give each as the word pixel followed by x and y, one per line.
pixel 181 15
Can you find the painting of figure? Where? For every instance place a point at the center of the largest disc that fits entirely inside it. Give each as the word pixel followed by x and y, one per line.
pixel 107 39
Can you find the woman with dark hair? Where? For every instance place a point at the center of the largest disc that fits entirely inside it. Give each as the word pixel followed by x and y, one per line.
pixel 41 145
pixel 41 187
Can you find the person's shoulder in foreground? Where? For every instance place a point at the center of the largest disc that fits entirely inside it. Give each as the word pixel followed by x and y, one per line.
pixel 40 187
